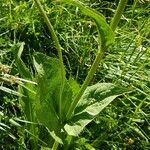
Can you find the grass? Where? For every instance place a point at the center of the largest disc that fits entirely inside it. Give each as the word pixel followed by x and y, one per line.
pixel 125 123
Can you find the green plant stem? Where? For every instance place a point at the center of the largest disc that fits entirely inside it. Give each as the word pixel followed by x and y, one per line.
pixel 87 81
pixel 55 145
pixel 118 13
pixel 97 60
pixel 58 47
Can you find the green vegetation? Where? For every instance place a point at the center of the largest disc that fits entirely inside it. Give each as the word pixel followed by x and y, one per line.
pixel 74 74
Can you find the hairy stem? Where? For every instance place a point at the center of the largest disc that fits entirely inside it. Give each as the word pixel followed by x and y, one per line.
pixel 115 20
pixel 58 47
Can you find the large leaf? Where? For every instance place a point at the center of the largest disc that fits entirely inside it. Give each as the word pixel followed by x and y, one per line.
pixel 94 100
pixel 48 93
pixel 48 80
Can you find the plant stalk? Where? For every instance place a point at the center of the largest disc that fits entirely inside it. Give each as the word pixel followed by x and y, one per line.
pixel 98 58
pixel 89 77
pixel 115 20
pixel 58 47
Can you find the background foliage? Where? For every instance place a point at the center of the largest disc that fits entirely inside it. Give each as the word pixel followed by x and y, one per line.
pixel 125 124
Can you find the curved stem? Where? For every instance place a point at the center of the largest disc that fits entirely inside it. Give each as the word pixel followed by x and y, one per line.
pixel 118 13
pixel 58 47
pixel 87 81
pixel 97 60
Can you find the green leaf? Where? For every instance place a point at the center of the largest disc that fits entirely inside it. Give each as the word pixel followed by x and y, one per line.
pixel 48 80
pixel 26 89
pixel 23 70
pixel 75 87
pixel 28 102
pixel 106 35
pixel 94 100
pixel 48 94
